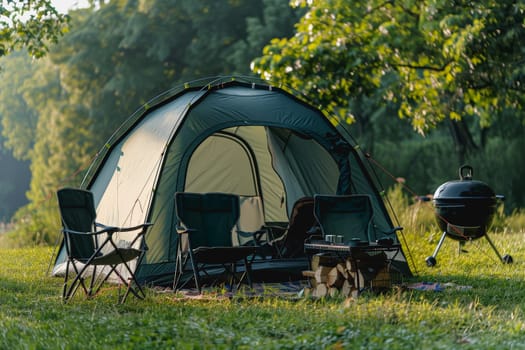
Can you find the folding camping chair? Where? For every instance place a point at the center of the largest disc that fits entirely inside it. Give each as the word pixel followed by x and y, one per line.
pixel 205 228
pixel 300 227
pixel 90 244
pixel 349 216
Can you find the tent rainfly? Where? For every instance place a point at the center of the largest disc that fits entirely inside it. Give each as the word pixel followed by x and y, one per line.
pixel 234 136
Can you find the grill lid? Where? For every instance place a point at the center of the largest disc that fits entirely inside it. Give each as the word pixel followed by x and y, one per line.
pixel 464 188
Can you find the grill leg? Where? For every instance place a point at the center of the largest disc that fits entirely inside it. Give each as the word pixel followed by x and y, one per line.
pixel 461 247
pixel 431 260
pixel 506 259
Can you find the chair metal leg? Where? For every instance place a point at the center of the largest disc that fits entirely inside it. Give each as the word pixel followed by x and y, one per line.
pixel 246 275
pixel 92 282
pixel 180 264
pixel 136 290
pixel 65 295
pixel 195 269
pixel 69 291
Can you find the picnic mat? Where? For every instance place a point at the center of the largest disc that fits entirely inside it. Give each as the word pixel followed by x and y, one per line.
pixel 436 286
pixel 290 290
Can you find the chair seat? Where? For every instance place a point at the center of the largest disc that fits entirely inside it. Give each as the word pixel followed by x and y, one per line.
pixel 210 255
pixel 114 258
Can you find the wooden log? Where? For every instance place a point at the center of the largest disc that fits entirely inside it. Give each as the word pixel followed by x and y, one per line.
pixel 358 280
pixel 320 291
pixel 350 265
pixel 321 274
pixel 311 277
pixel 334 278
pixel 308 273
pixel 342 270
pixel 323 259
pixel 346 288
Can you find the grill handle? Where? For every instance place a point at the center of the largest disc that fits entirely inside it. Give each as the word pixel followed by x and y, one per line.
pixel 466 172
pixel 452 206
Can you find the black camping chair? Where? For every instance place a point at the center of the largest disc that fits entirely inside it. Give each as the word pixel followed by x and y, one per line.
pixel 205 228
pixel 90 244
pixel 302 224
pixel 349 216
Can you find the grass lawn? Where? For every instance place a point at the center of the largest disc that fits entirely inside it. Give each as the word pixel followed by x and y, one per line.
pixel 488 313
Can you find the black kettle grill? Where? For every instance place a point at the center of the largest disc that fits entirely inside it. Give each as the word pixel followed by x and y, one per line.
pixel 464 210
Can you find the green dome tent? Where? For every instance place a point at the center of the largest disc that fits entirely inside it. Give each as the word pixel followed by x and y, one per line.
pixel 228 135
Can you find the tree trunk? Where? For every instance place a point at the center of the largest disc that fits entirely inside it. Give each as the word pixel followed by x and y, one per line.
pixel 463 140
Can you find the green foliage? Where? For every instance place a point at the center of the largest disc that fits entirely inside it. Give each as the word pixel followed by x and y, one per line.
pixel 423 163
pixel 59 111
pixel 37 224
pixel 30 24
pixel 499 165
pixel 18 118
pixel 432 60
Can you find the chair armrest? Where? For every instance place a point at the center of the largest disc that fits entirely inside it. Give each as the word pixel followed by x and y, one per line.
pixel 108 229
pixel 257 235
pixel 255 238
pixel 314 238
pixel 123 229
pixel 389 241
pixel 133 228
pixel 105 227
pixel 393 230
pixel 183 230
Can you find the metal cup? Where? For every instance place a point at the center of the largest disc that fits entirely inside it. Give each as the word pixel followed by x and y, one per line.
pixel 339 239
pixel 330 238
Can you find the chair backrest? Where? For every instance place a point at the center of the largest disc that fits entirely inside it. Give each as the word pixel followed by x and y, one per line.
pixel 348 215
pixel 77 212
pixel 213 215
pixel 251 219
pixel 302 219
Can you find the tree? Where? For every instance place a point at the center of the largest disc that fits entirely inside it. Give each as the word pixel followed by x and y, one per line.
pixel 115 58
pixel 433 60
pixel 451 67
pixel 32 24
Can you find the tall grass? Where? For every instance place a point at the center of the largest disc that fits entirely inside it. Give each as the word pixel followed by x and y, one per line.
pixel 414 214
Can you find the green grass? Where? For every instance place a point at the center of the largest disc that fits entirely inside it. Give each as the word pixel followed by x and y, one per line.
pixel 489 315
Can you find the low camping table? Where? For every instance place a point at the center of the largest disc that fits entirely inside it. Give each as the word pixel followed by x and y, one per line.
pixel 354 253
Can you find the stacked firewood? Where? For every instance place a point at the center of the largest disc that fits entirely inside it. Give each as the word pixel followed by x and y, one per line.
pixel 334 276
